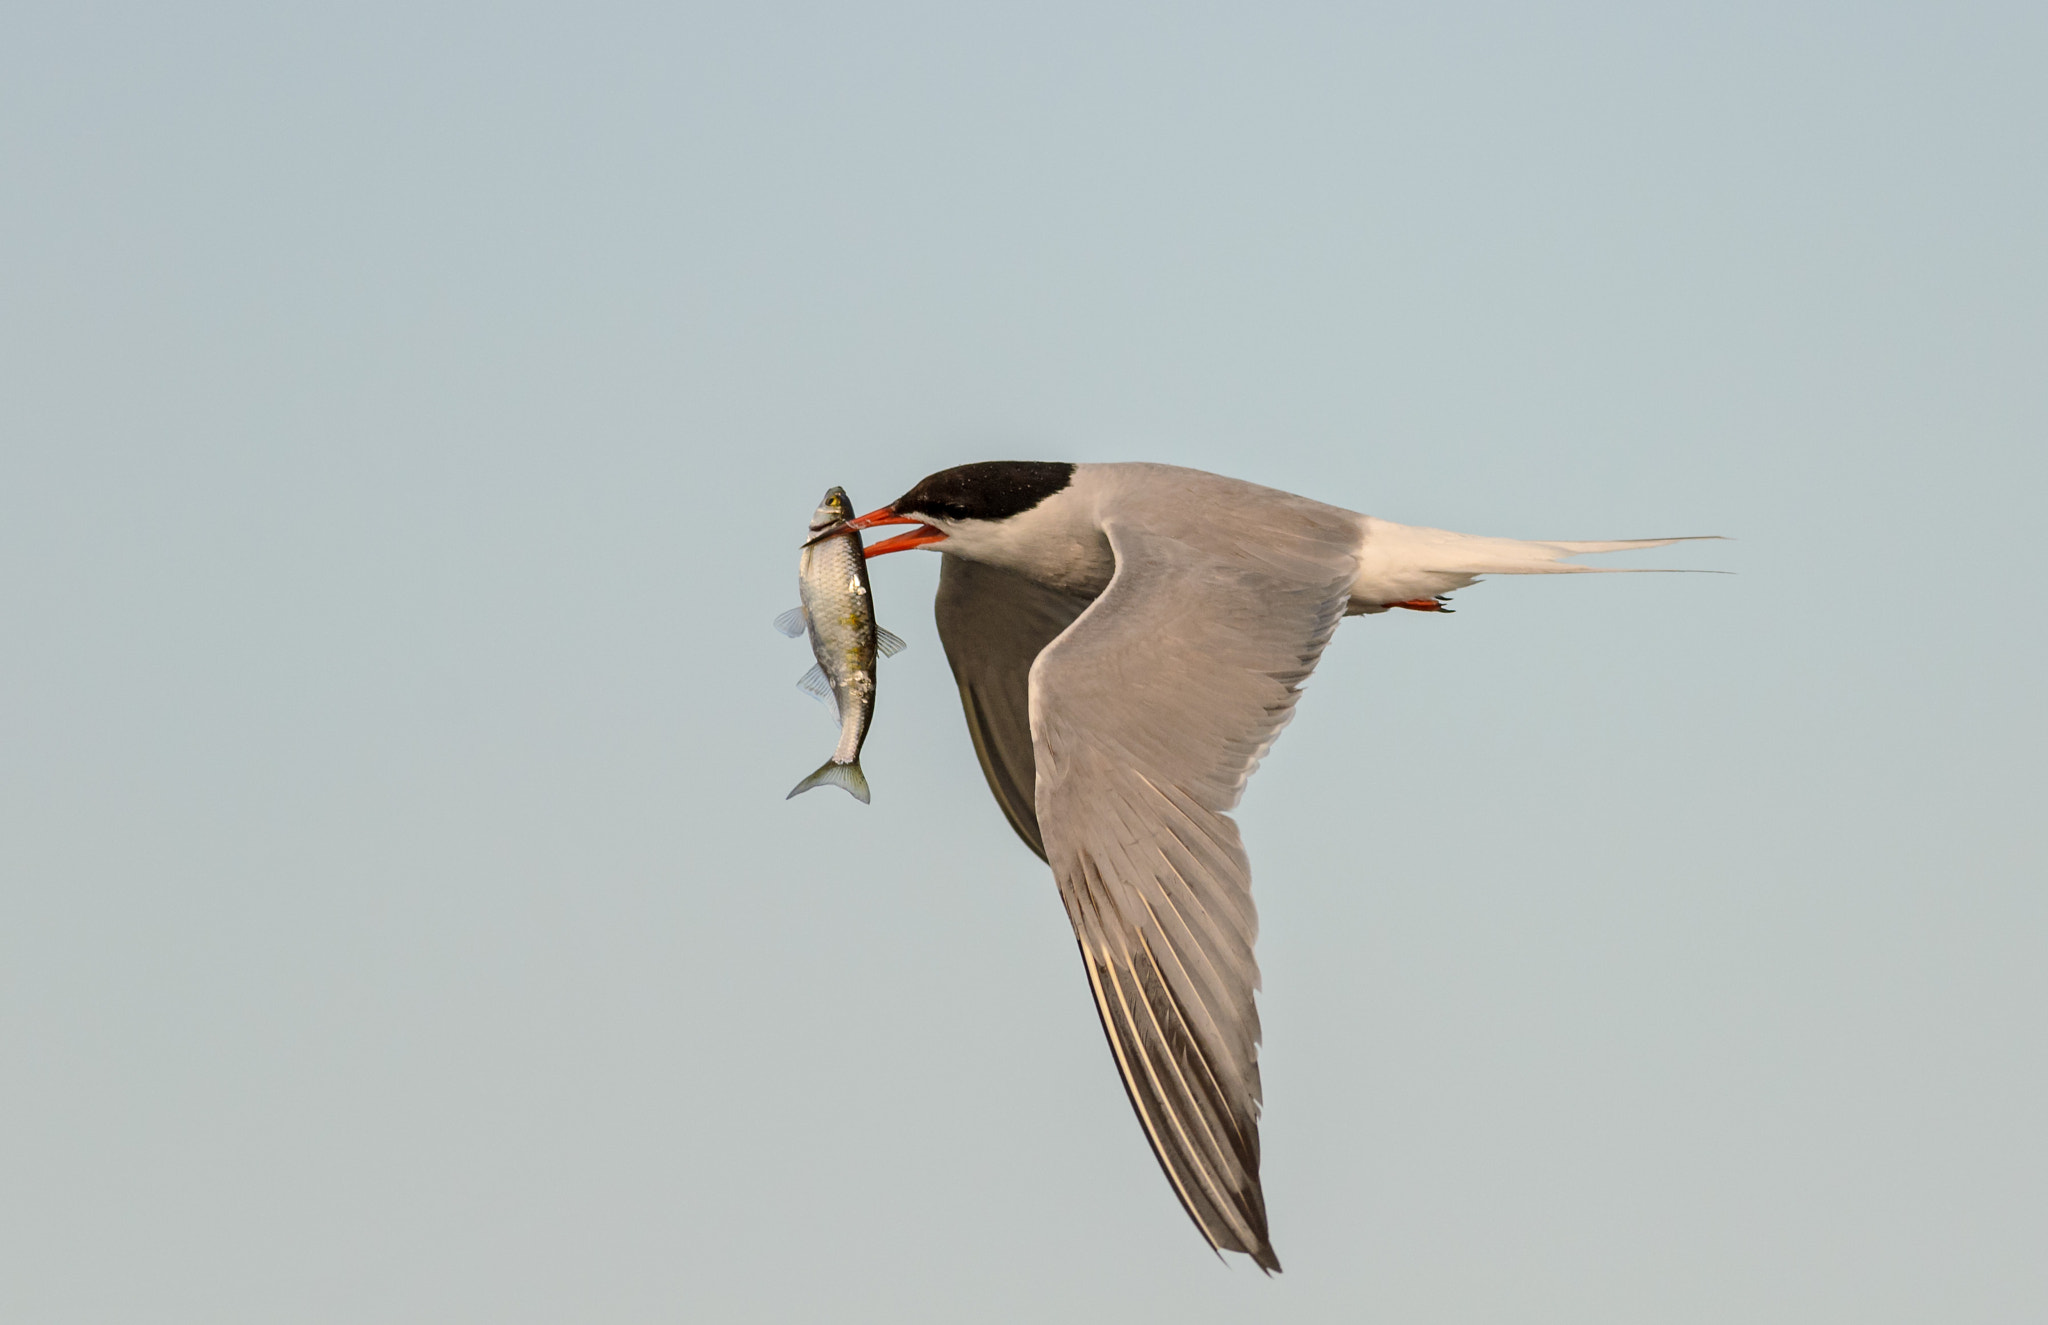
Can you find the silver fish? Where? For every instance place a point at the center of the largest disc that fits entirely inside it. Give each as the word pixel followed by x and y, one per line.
pixel 839 614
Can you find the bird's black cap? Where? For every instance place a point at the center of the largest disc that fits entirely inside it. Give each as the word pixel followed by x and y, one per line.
pixel 991 490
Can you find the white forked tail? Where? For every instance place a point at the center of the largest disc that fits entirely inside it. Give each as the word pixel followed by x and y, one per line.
pixel 1399 563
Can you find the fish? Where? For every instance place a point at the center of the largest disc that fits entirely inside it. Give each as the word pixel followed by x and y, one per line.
pixel 837 611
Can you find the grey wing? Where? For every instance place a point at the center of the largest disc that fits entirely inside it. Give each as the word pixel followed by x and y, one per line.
pixel 993 624
pixel 1148 717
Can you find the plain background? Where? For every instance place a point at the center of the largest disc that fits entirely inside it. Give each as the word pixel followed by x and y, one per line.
pixel 409 414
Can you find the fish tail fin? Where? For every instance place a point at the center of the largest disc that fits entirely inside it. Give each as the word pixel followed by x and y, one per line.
pixel 834 774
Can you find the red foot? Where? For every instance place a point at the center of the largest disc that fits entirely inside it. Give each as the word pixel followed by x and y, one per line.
pixel 1424 604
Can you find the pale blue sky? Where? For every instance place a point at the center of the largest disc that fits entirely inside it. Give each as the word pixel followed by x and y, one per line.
pixel 409 416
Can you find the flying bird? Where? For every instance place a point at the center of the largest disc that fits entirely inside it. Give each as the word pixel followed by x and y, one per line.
pixel 1128 640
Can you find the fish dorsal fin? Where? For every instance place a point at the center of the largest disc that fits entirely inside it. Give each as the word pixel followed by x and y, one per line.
pixel 887 644
pixel 791 623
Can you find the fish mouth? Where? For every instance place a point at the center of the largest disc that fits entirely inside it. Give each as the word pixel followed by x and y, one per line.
pixel 922 536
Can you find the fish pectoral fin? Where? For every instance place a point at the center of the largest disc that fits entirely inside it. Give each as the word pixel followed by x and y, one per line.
pixel 887 644
pixel 791 623
pixel 815 683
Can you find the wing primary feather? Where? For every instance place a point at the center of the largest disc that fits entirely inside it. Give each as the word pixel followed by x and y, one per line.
pixel 1151 1066
pixel 1197 1093
pixel 1213 1087
pixel 1206 991
pixel 1168 1136
pixel 1190 1152
pixel 1097 970
pixel 1102 975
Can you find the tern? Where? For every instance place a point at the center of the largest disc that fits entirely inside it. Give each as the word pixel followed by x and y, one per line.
pixel 1128 640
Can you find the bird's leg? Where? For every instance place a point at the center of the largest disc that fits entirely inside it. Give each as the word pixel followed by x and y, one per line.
pixel 1435 604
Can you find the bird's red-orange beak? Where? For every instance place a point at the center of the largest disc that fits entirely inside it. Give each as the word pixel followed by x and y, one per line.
pixel 922 536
